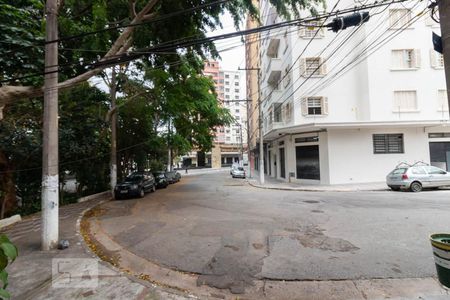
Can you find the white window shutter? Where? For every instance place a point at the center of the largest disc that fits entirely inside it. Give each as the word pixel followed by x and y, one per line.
pixel 417 58
pixel 304 106
pixel 433 58
pixel 302 67
pixel 323 67
pixel 325 106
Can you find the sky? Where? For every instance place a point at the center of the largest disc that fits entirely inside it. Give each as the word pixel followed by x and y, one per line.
pixel 231 59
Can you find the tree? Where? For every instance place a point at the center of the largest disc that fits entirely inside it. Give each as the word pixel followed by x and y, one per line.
pixel 81 16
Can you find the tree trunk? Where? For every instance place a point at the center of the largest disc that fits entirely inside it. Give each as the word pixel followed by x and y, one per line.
pixel 7 186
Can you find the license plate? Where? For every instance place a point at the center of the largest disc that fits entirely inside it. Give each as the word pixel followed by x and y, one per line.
pixel 124 192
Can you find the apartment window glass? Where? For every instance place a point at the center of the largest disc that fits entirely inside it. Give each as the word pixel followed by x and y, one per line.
pixel 228 139
pixel 236 76
pixel 227 90
pixel 314 105
pixel 236 90
pixel 405 101
pixel 227 83
pixel 405 59
pixel 388 143
pixel 443 101
pixel 436 59
pixel 227 96
pixel 236 97
pixel 399 17
pixel 236 111
pixel 227 76
pixel 236 83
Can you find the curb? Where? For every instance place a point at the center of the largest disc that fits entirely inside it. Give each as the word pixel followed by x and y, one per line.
pixel 311 190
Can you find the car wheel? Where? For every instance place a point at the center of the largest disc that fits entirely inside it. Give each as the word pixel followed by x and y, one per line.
pixel 141 193
pixel 415 187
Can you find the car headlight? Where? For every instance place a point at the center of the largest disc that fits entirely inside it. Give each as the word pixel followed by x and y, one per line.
pixel 134 186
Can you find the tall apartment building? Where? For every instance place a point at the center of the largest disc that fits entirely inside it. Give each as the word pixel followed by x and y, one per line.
pixel 355 103
pixel 252 87
pixel 232 139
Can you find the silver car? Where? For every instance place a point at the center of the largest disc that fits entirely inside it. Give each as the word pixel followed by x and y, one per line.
pixel 415 178
pixel 238 172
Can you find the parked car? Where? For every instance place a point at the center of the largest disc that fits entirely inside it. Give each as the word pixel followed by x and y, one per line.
pixel 135 184
pixel 233 167
pixel 238 172
pixel 161 179
pixel 173 176
pixel 415 178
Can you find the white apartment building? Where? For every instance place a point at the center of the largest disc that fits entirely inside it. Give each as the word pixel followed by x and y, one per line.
pixel 350 106
pixel 231 93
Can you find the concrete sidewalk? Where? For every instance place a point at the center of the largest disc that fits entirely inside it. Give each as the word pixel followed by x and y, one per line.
pixel 30 275
pixel 275 184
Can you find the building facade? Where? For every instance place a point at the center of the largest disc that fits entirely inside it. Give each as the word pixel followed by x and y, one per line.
pixel 347 107
pixel 232 139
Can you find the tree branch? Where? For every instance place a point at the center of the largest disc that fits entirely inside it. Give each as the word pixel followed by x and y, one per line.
pixel 9 94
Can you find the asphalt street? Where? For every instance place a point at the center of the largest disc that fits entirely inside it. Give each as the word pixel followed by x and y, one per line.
pixel 232 234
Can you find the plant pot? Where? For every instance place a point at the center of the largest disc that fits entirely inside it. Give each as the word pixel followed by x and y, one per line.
pixel 440 242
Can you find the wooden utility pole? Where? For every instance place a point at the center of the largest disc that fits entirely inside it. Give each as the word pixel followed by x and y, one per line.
pixel 113 157
pixel 444 17
pixel 50 180
pixel 169 156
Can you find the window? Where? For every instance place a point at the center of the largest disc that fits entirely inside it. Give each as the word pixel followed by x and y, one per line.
pixel 277 113
pixel 236 103
pixel 228 130
pixel 436 60
pixel 236 83
pixel 434 171
pixel 227 139
pixel 227 76
pixel 238 139
pixel 288 111
pixel 227 90
pixel 221 130
pixel 236 97
pixel 311 30
pixel 237 118
pixel 236 90
pixel 312 66
pixel 287 75
pixel 399 18
pixel 387 143
pixel 227 96
pixel 418 171
pixel 236 111
pixel 227 83
pixel 443 100
pixel 314 106
pixel 405 101
pixel 405 59
pixel 439 135
pixel 236 76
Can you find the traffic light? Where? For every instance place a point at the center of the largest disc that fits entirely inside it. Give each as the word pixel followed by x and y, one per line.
pixel 348 21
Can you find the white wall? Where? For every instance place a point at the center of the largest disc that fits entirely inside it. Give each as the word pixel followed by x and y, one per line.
pixel 351 157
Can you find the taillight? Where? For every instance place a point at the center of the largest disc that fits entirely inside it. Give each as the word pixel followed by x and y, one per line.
pixel 404 176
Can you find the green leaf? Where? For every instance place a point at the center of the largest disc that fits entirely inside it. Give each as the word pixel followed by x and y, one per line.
pixel 10 250
pixel 4 294
pixel 4 239
pixel 4 278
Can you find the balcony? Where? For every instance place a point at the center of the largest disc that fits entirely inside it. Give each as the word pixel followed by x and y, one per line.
pixel 274 71
pixel 272 49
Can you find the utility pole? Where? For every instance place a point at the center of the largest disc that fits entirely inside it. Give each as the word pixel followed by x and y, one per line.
pixel 50 180
pixel 113 157
pixel 444 18
pixel 260 122
pixel 169 157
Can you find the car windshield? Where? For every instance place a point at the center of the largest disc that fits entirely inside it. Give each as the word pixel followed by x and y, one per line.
pixel 399 171
pixel 241 169
pixel 134 178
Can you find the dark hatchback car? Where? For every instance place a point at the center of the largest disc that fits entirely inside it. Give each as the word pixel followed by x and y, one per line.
pixel 135 184
pixel 161 179
pixel 173 176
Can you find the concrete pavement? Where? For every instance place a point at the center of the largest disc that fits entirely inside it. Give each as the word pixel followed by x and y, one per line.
pixel 216 236
pixel 30 275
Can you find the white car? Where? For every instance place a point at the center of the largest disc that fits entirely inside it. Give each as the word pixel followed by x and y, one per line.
pixel 238 172
pixel 415 178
